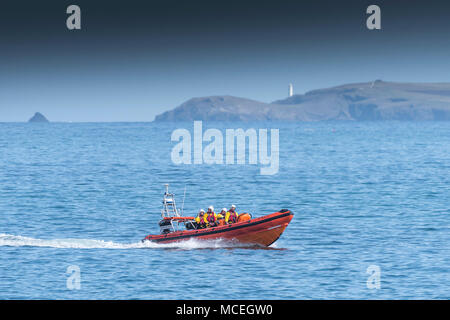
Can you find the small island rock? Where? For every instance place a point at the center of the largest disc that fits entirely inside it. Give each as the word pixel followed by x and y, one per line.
pixel 38 117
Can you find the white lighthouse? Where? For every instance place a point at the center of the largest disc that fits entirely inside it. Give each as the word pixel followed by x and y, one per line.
pixel 291 90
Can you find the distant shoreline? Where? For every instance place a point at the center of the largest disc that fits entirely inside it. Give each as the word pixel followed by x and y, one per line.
pixel 369 101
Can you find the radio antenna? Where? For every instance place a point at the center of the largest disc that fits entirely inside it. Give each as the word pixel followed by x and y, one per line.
pixel 184 197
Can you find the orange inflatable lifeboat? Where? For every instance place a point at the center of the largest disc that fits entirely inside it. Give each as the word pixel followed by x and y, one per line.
pixel 263 230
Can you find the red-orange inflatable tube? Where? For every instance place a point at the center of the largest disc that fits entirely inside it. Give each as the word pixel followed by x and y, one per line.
pixel 263 230
pixel 179 218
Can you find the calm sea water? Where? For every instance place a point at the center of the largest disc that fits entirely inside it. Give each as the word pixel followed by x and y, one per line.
pixel 362 193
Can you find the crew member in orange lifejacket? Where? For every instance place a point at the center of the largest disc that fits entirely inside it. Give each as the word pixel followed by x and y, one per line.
pixel 232 215
pixel 221 217
pixel 201 219
pixel 211 217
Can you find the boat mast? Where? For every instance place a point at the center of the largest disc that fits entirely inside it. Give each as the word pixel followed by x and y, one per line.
pixel 169 205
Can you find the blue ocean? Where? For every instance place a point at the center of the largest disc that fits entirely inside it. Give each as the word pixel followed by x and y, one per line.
pixel 81 196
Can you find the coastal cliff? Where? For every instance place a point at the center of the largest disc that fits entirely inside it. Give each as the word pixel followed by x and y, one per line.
pixel 371 101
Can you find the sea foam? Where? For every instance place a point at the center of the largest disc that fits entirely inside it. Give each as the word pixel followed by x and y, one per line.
pixel 21 241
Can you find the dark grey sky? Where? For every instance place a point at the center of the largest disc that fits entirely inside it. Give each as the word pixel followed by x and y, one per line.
pixel 135 59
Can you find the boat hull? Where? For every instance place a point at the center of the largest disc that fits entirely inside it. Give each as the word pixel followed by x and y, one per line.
pixel 261 231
